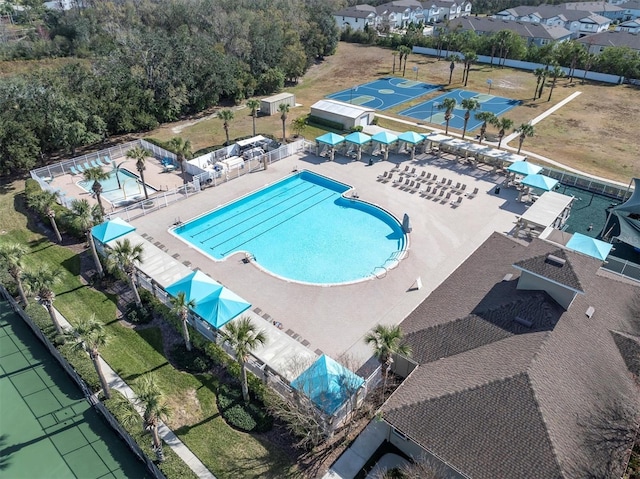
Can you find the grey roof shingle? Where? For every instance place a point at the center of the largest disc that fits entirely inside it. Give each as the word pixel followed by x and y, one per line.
pixel 611 38
pixel 523 29
pixel 495 399
pixel 544 265
pixel 629 347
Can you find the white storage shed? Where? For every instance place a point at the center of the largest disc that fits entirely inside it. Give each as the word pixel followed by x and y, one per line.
pixel 346 114
pixel 270 105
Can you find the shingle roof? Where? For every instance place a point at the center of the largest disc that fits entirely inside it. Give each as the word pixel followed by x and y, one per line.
pixel 612 39
pixel 357 11
pixel 523 29
pixel 495 399
pixel 629 347
pixel 548 266
pixel 592 6
pixel 550 11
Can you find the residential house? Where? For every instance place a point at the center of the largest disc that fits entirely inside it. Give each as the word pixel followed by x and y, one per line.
pixel 400 13
pixel 525 360
pixel 631 26
pixel 598 42
pixel 532 33
pixel 356 17
pixel 631 10
pixel 580 23
pixel 609 10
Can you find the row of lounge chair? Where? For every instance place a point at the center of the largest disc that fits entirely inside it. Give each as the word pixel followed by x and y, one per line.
pixel 97 163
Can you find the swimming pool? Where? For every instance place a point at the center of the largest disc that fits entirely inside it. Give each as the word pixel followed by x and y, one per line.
pixel 130 187
pixel 302 229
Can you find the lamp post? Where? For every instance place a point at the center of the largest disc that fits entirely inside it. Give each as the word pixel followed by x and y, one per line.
pixel 431 116
pixel 415 69
pixel 489 82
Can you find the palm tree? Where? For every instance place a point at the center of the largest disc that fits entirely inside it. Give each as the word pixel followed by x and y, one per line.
pixel 545 73
pixel 253 105
pixel 395 54
pixel 226 116
pixel 452 66
pixel 140 155
pixel 241 335
pixel 154 409
pixel 386 342
pixel 469 105
pixel 43 202
pixel 448 105
pixel 11 255
pixel 124 256
pixel 469 58
pixel 182 149
pixel 181 307
pixel 405 51
pixel 502 124
pixel 525 130
pixel 283 108
pixel 41 282
pixel 86 216
pixel 92 336
pixel 556 72
pixel 485 117
pixel 539 73
pixel 96 175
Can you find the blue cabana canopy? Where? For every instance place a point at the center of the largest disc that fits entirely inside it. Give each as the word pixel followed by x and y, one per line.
pixel 384 137
pixel 539 181
pixel 524 168
pixel 110 230
pixel 328 384
pixel 411 137
pixel 358 138
pixel 590 246
pixel 330 139
pixel 215 304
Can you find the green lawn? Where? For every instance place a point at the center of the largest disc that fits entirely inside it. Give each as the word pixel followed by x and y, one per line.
pixel 225 451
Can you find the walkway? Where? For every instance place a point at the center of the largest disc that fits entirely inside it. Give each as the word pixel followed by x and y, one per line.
pixel 167 435
pixel 509 138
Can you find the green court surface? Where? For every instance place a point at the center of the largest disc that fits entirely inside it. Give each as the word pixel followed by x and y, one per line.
pixel 47 428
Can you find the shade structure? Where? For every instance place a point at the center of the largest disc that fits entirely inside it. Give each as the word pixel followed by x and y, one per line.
pixel 110 230
pixel 384 137
pixel 196 286
pixel 358 138
pixel 524 168
pixel 328 384
pixel 411 137
pixel 539 181
pixel 220 307
pixel 330 139
pixel 215 304
pixel 590 246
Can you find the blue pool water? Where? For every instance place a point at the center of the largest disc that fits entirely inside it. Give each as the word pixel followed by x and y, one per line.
pixel 130 187
pixel 302 229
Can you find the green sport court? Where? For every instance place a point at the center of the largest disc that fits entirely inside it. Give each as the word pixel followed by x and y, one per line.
pixel 429 111
pixel 47 428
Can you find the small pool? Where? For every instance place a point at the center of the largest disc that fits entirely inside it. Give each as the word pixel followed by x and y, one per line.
pixel 302 229
pixel 130 187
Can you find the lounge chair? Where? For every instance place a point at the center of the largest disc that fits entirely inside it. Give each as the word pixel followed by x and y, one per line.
pixel 412 185
pixel 429 176
pixel 94 164
pixel 406 169
pixel 427 192
pixel 100 162
pixel 79 169
pixel 435 178
pixel 74 171
pixel 422 177
pixel 441 193
pixel 383 176
pixel 449 182
pixel 464 187
pixel 86 165
pixel 413 172
pixel 473 193
pixel 457 203
pixel 448 197
pixel 444 181
pixel 458 185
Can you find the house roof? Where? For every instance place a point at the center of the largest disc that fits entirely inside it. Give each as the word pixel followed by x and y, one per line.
pixel 523 29
pixel 592 6
pixel 612 39
pixel 357 11
pixel 630 5
pixel 551 11
pixel 343 109
pixel 494 398
pixel 548 266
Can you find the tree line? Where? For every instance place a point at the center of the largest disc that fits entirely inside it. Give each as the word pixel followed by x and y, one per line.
pixel 506 44
pixel 133 65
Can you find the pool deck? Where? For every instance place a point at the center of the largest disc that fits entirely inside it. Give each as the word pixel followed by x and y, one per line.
pixel 334 319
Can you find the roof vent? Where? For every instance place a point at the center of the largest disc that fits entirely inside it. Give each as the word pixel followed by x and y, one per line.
pixel 590 311
pixel 525 322
pixel 556 260
pixel 507 277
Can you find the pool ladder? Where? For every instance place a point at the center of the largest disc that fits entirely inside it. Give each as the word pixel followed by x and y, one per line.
pixel 381 271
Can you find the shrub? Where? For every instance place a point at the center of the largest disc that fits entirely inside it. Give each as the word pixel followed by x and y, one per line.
pixel 138 315
pixel 194 361
pixel 246 417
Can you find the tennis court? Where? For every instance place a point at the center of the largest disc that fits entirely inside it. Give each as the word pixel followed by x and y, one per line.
pixel 48 428
pixel 384 93
pixel 429 111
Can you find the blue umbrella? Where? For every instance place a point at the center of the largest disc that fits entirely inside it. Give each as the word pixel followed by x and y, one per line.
pixel 524 168
pixel 590 246
pixel 330 139
pixel 357 138
pixel 220 307
pixel 539 181
pixel 411 137
pixel 384 137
